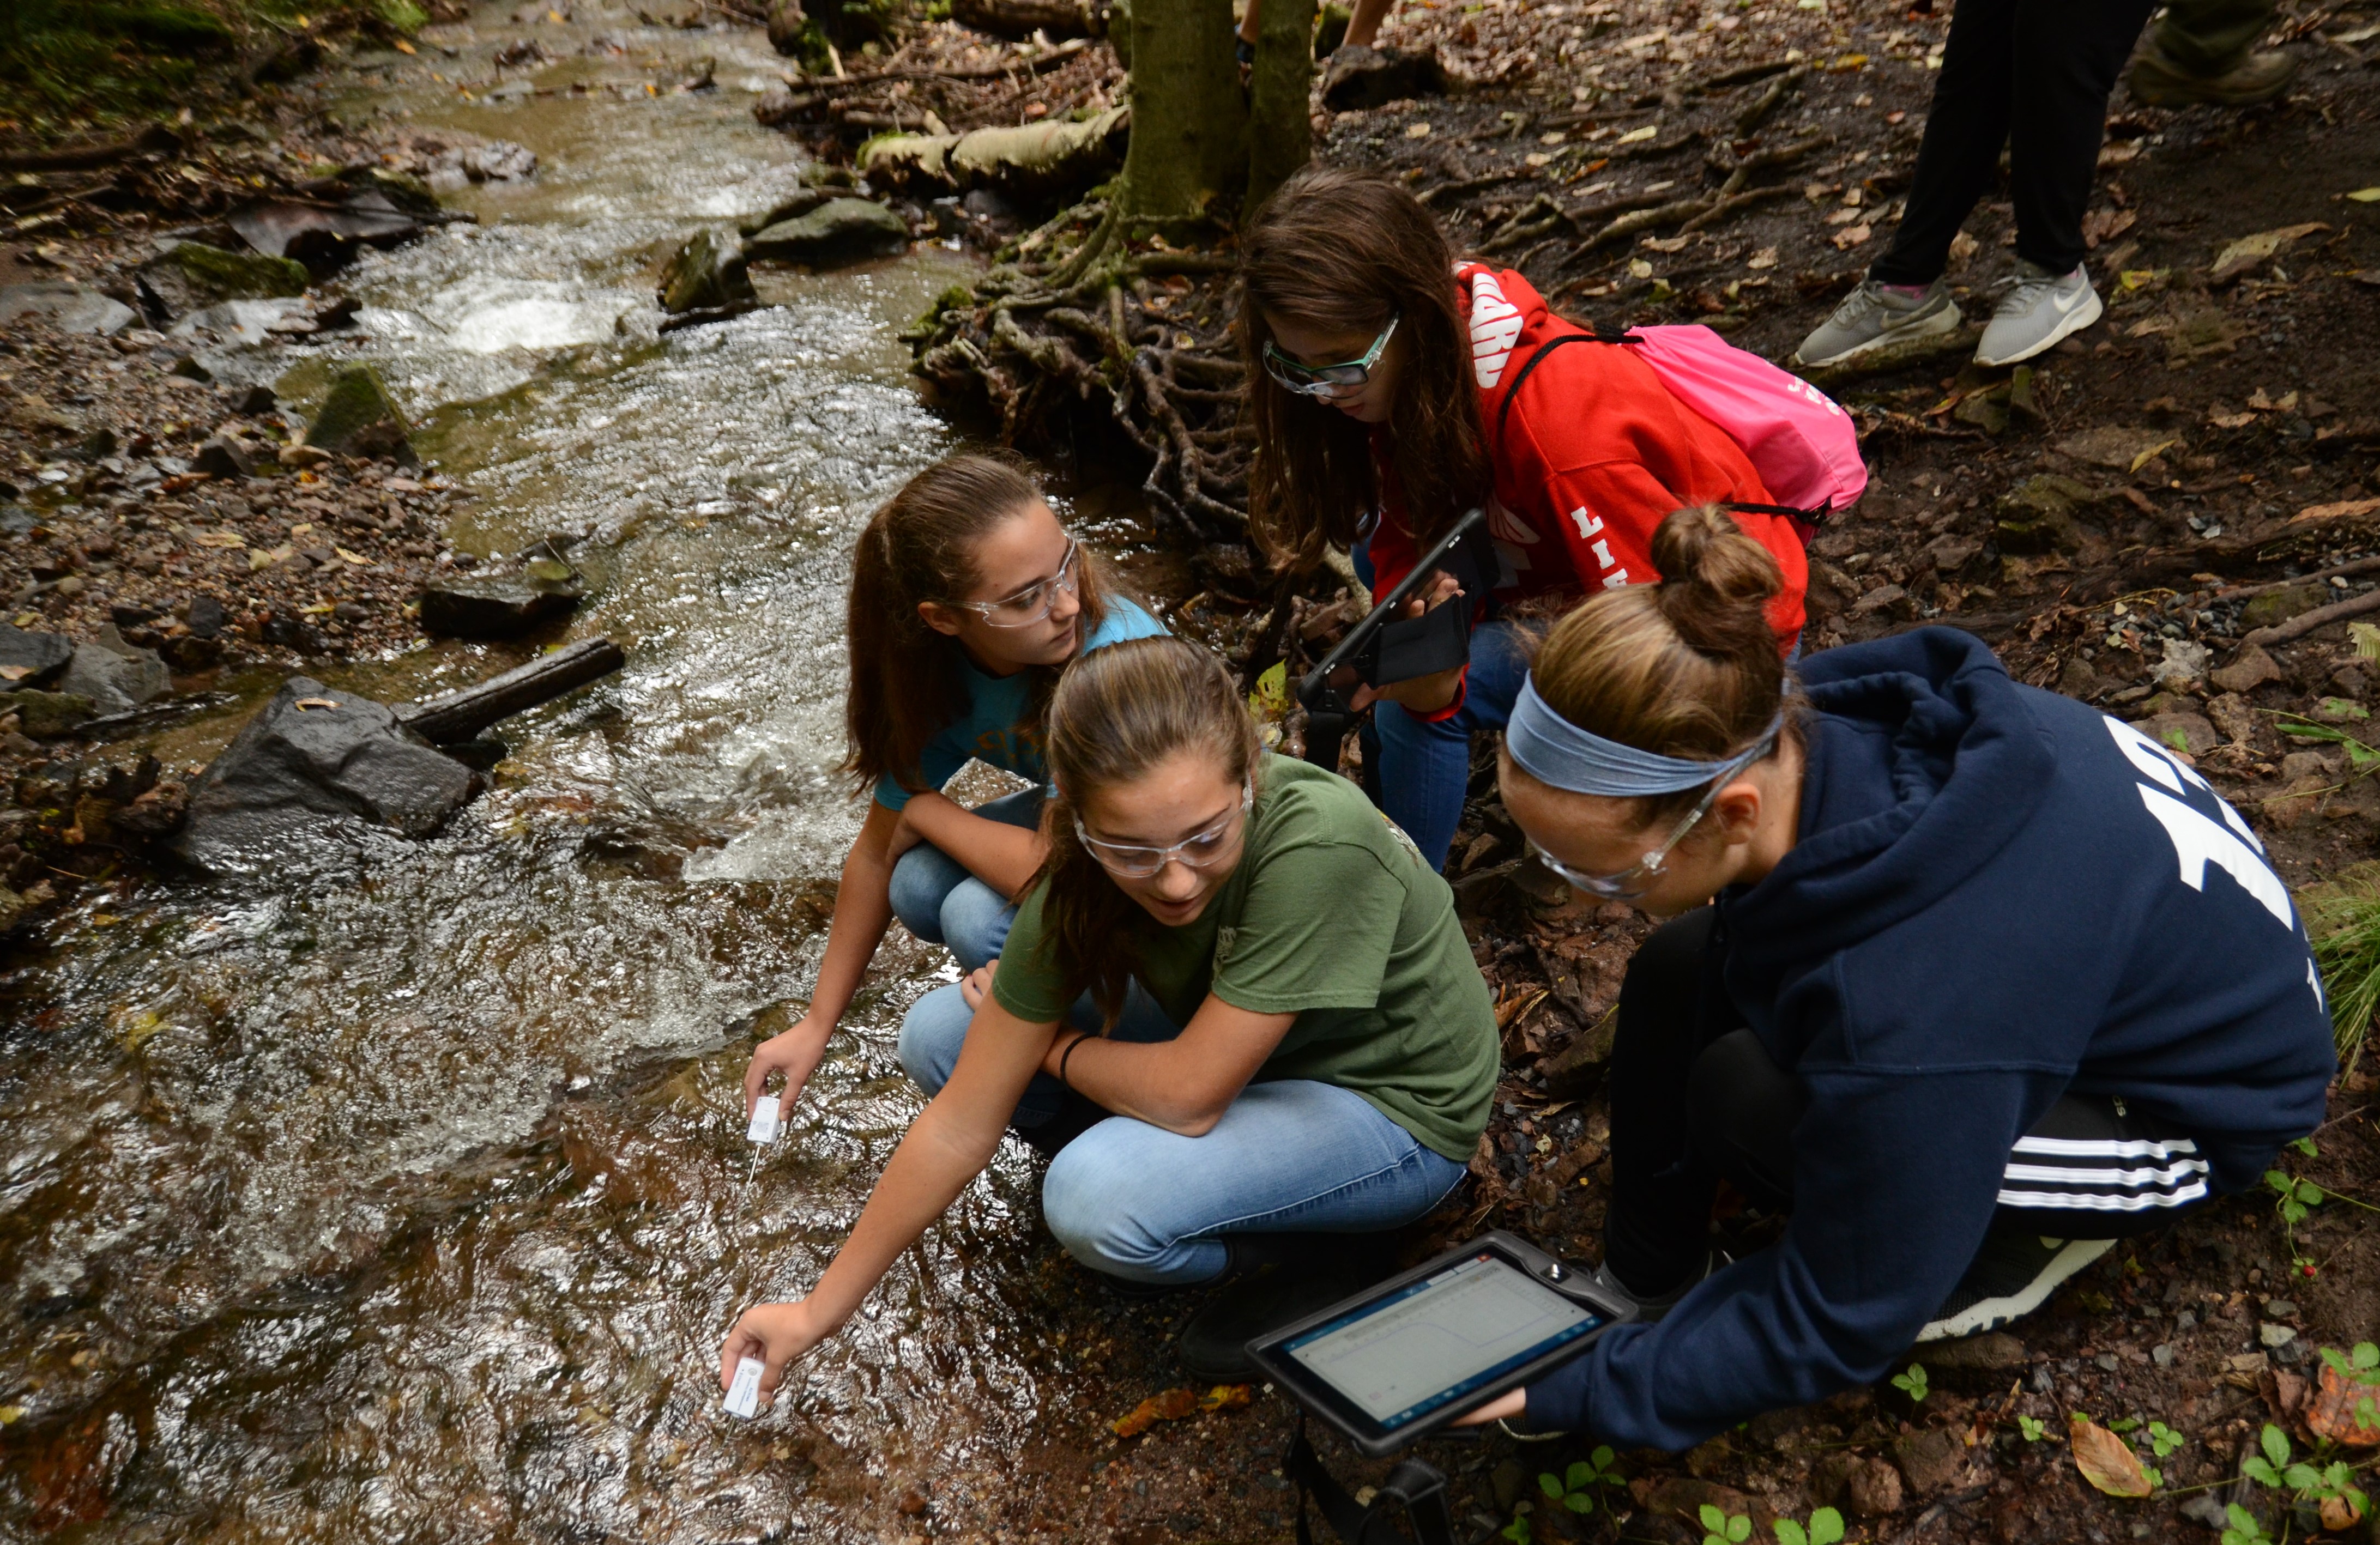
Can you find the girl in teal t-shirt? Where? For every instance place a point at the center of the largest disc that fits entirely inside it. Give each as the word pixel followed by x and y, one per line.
pixel 967 599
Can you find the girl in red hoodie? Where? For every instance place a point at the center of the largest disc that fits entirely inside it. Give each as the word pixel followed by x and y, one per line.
pixel 1392 389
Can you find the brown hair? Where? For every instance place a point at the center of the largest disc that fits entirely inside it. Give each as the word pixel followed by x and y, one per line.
pixel 1347 251
pixel 906 680
pixel 1115 716
pixel 1686 668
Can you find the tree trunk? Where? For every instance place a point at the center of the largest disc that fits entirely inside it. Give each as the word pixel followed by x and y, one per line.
pixel 1280 127
pixel 1189 129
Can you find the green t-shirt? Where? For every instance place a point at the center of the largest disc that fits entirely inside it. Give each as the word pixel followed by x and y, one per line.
pixel 1332 916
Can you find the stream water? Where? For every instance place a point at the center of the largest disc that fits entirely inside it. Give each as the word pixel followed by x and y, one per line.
pixel 411 1204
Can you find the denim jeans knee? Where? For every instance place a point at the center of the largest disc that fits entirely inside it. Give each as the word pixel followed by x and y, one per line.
pixel 931 1035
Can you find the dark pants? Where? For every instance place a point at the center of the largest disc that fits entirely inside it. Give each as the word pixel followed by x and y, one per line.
pixel 1696 1098
pixel 2033 75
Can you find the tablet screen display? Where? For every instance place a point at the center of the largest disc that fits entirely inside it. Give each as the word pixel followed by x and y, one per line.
pixel 1434 1340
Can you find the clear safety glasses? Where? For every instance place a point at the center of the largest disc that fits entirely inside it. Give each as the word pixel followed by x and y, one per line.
pixel 1633 881
pixel 1199 851
pixel 1031 604
pixel 1324 380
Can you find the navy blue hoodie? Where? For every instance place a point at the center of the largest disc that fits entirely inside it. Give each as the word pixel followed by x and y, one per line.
pixel 1998 895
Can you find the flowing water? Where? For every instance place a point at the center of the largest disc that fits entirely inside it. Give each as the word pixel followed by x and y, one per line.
pixel 411 1202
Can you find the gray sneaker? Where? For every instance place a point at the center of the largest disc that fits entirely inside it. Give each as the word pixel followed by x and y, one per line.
pixel 1872 316
pixel 2040 310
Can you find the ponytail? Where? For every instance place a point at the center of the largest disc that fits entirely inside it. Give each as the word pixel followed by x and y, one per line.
pixel 1687 668
pixel 1116 715
pixel 909 682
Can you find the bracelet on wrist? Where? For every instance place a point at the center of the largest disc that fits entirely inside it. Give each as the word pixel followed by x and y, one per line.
pixel 1067 1056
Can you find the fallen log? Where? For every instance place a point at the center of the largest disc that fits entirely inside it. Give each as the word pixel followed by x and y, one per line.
pixel 1022 18
pixel 2320 617
pixel 460 716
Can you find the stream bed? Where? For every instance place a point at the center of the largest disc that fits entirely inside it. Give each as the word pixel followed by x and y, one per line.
pixel 411 1202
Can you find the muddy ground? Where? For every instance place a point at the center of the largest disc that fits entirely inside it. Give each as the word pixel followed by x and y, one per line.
pixel 2115 521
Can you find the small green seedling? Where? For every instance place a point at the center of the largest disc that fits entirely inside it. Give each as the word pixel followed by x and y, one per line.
pixel 2123 1424
pixel 1912 1383
pixel 1595 1469
pixel 1517 1531
pixel 1722 1529
pixel 2297 1197
pixel 1571 1490
pixel 1826 1529
pixel 2265 1468
pixel 2305 1146
pixel 2163 1438
pixel 2244 1529
pixel 2033 1428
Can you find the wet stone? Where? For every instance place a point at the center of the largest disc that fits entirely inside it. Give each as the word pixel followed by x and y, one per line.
pixel 706 274
pixel 33 659
pixel 361 418
pixel 116 676
pixel 493 609
pixel 838 232
pixel 67 308
pixel 193 276
pixel 48 716
pixel 2270 610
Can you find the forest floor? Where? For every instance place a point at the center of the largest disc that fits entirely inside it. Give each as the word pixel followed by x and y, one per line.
pixel 2115 521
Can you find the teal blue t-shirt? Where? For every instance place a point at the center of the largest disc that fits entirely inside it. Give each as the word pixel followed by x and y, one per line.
pixel 993 730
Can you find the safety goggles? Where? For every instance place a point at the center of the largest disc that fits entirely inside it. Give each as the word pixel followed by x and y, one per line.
pixel 1326 380
pixel 1637 878
pixel 1200 851
pixel 1031 604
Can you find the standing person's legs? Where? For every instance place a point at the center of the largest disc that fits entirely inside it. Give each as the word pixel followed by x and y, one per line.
pixel 1964 129
pixel 1426 764
pixel 2067 57
pixel 1151 1206
pixel 937 900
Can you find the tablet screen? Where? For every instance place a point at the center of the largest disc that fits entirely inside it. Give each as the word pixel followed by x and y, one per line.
pixel 1433 1342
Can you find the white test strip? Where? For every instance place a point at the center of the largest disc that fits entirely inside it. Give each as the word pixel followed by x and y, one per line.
pixel 744 1395
pixel 765 1123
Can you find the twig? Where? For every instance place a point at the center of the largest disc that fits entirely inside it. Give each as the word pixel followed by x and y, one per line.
pixel 1034 65
pixel 2250 591
pixel 1757 113
pixel 1431 196
pixel 2320 617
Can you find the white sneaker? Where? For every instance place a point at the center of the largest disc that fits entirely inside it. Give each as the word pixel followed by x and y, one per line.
pixel 2040 311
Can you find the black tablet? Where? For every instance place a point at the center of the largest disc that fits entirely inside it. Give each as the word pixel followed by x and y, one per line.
pixel 1405 1357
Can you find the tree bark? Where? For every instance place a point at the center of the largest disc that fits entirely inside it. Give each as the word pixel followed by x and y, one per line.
pixel 459 715
pixel 1189 130
pixel 1280 127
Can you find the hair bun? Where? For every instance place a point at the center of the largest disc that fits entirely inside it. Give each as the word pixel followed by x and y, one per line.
pixel 1715 582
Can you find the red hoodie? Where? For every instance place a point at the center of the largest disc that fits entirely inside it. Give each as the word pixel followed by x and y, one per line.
pixel 1593 454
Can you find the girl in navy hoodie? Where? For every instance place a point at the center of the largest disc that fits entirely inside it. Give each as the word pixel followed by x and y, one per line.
pixel 1991 980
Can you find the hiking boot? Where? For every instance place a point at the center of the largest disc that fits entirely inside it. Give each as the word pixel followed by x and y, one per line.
pixel 2157 81
pixel 2012 1275
pixel 1274 1280
pixel 1651 1308
pixel 2039 311
pixel 1877 314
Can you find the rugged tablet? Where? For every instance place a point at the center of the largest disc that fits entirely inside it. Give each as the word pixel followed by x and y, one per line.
pixel 1403 1359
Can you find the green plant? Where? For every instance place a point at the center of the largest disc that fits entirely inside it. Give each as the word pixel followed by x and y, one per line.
pixel 1517 1531
pixel 2244 1529
pixel 2265 1468
pixel 1826 1529
pixel 1573 1489
pixel 2164 1440
pixel 1724 1528
pixel 1912 1383
pixel 2359 1367
pixel 2342 918
pixel 2033 1429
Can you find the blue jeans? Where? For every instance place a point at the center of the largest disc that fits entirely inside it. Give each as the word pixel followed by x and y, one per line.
pixel 1424 767
pixel 937 900
pixel 1145 1204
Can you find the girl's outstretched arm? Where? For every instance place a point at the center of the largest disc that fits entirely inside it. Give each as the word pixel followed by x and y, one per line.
pixel 863 910
pixel 946 1148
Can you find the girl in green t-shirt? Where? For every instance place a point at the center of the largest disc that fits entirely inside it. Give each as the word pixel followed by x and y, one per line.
pixel 1326 1054
pixel 967 599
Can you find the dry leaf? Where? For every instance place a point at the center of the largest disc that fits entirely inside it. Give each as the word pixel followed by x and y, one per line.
pixel 356 558
pixel 220 539
pixel 1172 1406
pixel 2337 1413
pixel 2107 1461
pixel 15 673
pixel 304 703
pixel 2345 510
pixel 1764 257
pixel 1227 1398
pixel 2340 1514
pixel 1856 236
pixel 2248 251
pixel 1638 135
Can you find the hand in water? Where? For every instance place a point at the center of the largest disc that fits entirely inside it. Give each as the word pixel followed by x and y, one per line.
pixel 776 1333
pixel 1423 694
pixel 795 1053
pixel 975 984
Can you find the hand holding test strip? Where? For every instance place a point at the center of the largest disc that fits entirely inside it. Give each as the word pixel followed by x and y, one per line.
pixel 744 1395
pixel 766 1123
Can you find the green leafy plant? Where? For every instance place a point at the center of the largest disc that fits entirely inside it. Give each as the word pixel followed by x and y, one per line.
pixel 1912 1383
pixel 2359 1367
pixel 2265 1468
pixel 1724 1528
pixel 1825 1528
pixel 1517 1531
pixel 2305 1145
pixel 2244 1529
pixel 2033 1429
pixel 2164 1440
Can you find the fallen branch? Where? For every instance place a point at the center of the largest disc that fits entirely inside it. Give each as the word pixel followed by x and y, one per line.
pixel 2343 571
pixel 1431 196
pixel 460 716
pixel 1757 110
pixel 2320 617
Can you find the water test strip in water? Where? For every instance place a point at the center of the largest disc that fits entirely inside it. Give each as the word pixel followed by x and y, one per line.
pixel 765 1124
pixel 744 1395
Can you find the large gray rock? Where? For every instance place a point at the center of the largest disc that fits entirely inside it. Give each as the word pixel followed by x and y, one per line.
pixel 33 659
pixel 116 676
pixel 322 236
pixel 706 274
pixel 839 231
pixel 361 418
pixel 312 763
pixel 191 275
pixel 67 308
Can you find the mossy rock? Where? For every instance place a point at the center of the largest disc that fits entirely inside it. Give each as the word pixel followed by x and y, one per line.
pixel 191 276
pixel 48 716
pixel 2037 515
pixel 360 418
pixel 2273 609
pixel 839 231
pixel 409 194
pixel 707 272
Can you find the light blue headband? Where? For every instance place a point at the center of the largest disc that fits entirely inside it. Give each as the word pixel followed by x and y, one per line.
pixel 1555 751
